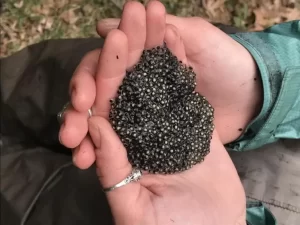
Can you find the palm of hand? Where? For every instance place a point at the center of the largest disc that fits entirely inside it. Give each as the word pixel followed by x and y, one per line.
pixel 194 197
pixel 208 194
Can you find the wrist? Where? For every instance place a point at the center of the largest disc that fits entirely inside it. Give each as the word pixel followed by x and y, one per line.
pixel 253 99
pixel 235 119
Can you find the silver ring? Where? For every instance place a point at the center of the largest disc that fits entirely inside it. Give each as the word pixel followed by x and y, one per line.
pixel 60 115
pixel 134 176
pixel 90 113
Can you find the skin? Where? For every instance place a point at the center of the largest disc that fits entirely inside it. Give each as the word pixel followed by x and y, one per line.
pixel 209 193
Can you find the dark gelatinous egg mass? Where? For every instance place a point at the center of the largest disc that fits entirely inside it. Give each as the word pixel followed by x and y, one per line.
pixel 163 123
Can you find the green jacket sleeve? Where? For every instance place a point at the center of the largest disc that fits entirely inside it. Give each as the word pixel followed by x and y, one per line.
pixel 257 214
pixel 276 51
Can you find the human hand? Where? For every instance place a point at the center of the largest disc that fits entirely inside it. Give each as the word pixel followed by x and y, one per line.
pixel 226 75
pixel 209 193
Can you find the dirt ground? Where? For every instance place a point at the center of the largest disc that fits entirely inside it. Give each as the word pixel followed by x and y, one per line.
pixel 24 22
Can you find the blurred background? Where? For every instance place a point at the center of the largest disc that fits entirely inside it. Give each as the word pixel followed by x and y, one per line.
pixel 24 22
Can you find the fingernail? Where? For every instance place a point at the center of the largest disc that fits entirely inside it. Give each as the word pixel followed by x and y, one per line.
pixel 111 22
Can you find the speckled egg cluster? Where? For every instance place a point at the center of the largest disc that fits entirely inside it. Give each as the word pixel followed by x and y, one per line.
pixel 164 124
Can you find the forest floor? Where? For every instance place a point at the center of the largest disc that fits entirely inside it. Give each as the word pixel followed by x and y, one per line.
pixel 25 22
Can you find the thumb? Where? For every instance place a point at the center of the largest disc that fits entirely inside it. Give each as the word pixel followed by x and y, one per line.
pixel 111 159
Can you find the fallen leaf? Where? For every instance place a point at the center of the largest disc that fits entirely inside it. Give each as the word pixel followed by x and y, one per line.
pixel 60 3
pixel 87 9
pixel 22 36
pixel 216 10
pixel 277 4
pixel 39 28
pixel 69 16
pixel 49 23
pixel 19 5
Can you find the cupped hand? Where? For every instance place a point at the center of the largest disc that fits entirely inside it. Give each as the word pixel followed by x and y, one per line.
pixel 226 74
pixel 208 193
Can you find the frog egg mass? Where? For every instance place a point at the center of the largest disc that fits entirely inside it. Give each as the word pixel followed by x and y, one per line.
pixel 163 123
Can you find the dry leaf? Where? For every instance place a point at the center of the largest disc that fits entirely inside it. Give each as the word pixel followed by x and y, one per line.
pixel 49 23
pixel 69 16
pixel 60 3
pixel 289 3
pixel 277 4
pixel 19 5
pixel 13 25
pixel 216 10
pixel 50 3
pixel 265 18
pixel 22 36
pixel 290 14
pixel 23 45
pixel 43 21
pixel 39 28
pixel 87 9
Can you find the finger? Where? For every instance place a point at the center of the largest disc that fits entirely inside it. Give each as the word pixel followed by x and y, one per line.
pixel 111 157
pixel 156 22
pixel 133 24
pixel 82 86
pixel 84 154
pixel 175 43
pixel 74 128
pixel 111 71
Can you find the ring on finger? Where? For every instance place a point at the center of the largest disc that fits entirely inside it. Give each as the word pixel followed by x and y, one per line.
pixel 134 176
pixel 61 114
